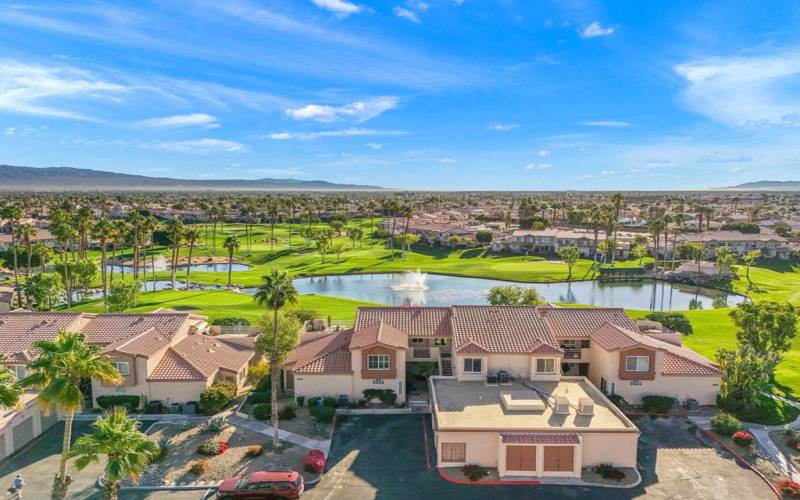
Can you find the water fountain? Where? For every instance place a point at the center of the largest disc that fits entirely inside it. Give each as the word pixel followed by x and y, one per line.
pixel 411 281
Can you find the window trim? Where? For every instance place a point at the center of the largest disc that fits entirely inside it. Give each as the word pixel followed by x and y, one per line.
pixel 545 360
pixel 116 364
pixel 462 458
pixel 636 368
pixel 378 368
pixel 472 362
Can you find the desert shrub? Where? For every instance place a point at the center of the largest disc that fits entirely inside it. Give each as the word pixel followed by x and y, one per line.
pixel 163 448
pixel 287 413
pixel 199 467
pixel 211 447
pixel 215 425
pixel 657 404
pixel 386 396
pixel 300 400
pixel 725 424
pixel 608 471
pixel 184 424
pixel 262 411
pixel 231 321
pixel 422 370
pixel 314 461
pixel 323 413
pixel 259 397
pixel 109 401
pixel 254 451
pixel 789 489
pixel 618 400
pixel 217 397
pixel 675 321
pixel 742 438
pixel 474 472
pixel 328 401
pixel 257 371
pixel 315 401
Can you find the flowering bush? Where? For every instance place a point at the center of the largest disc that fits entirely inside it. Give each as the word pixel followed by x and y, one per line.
pixel 789 489
pixel 743 438
pixel 314 461
pixel 474 472
pixel 254 451
pixel 212 447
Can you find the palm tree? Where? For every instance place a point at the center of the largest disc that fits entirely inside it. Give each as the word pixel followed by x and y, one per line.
pixel 175 229
pixel 43 253
pixel 276 292
pixel 10 390
pixel 64 233
pixel 63 364
pixel 231 244
pixel 104 231
pixel 191 235
pixel 273 212
pixel 128 450
pixel 13 213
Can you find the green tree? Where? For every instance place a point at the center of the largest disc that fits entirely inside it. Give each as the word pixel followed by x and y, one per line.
pixel 128 450
pixel 355 234
pixel 749 259
pixel 338 247
pixel 10 388
pixel 44 289
pixel 276 292
pixel 484 237
pixel 639 252
pixel 724 259
pixel 174 228
pixel 63 364
pixel 570 256
pixel 124 295
pixel 288 336
pixel 103 231
pixel 513 295
pixel 767 328
pixel 231 244
pixel 13 213
pixel 191 236
pixel 744 377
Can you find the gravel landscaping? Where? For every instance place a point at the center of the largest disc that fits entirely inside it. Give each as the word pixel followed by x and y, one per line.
pixel 781 440
pixel 303 424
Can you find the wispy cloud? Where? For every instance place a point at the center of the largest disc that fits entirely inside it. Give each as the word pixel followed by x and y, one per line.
pixel 359 111
pixel 595 29
pixel 348 132
pixel 199 146
pixel 179 121
pixel 341 8
pixel 585 176
pixel 538 166
pixel 544 152
pixel 725 157
pixel 659 164
pixel 374 145
pixel 406 14
pixel 606 123
pixel 447 161
pixel 503 127
pixel 745 91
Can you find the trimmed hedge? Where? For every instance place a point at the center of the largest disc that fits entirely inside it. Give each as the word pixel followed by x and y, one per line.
pixel 287 413
pixel 259 397
pixel 262 411
pixel 657 404
pixel 675 321
pixel 217 397
pixel 111 400
pixel 725 424
pixel 322 413
pixel 387 396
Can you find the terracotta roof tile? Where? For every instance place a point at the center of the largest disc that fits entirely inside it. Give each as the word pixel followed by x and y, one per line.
pixel 145 343
pixel 539 438
pixel 414 320
pixel 175 368
pixel 209 354
pixel 20 329
pixel 676 365
pixel 507 329
pixel 611 337
pixel 326 355
pixel 581 322
pixel 108 328
pixel 379 333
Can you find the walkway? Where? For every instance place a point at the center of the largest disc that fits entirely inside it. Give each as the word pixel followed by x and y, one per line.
pixel 255 426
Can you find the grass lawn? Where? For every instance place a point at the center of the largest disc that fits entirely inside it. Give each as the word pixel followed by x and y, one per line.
pixel 217 303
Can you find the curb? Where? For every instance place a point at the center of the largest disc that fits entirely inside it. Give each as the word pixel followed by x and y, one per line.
pixel 453 480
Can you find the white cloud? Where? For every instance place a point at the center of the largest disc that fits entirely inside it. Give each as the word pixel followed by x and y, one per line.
pixel 406 14
pixel 359 111
pixel 659 164
pixel 608 172
pixel 341 8
pixel 28 89
pixel 503 127
pixel 725 157
pixel 448 161
pixel 745 91
pixel 538 166
pixel 543 153
pixel 418 5
pixel 200 146
pixel 585 176
pixel 179 121
pixel 606 123
pixel 374 145
pixel 595 29
pixel 348 132
pixel 10 130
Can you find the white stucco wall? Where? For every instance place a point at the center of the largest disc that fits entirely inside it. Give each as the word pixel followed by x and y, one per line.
pixel 396 384
pixel 323 385
pixel 617 448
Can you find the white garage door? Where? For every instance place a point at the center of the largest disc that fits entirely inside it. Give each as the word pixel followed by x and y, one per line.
pixel 22 433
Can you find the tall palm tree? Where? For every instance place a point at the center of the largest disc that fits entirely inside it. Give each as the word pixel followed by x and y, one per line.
pixel 175 229
pixel 104 230
pixel 13 213
pixel 10 389
pixel 128 450
pixel 57 374
pixel 64 233
pixel 191 235
pixel 231 244
pixel 26 233
pixel 276 292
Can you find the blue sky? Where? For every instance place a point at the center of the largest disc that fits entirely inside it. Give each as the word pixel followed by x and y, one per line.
pixel 434 94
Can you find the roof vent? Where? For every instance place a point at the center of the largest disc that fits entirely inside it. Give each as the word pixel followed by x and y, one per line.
pixel 585 406
pixel 562 405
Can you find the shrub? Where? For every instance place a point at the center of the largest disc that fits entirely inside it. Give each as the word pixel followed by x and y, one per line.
pixel 199 467
pixel 329 402
pixel 300 400
pixel 618 400
pixel 301 314
pixel 675 321
pixel 259 397
pixel 314 461
pixel 111 400
pixel 657 404
pixel 257 372
pixel 231 321
pixel 254 451
pixel 262 411
pixel 422 370
pixel 215 425
pixel 362 403
pixel 474 472
pixel 264 384
pixel 315 401
pixel 352 405
pixel 163 448
pixel 386 396
pixel 789 489
pixel 287 413
pixel 212 447
pixel 608 471
pixel 217 397
pixel 184 424
pixel 323 413
pixel 742 438
pixel 725 424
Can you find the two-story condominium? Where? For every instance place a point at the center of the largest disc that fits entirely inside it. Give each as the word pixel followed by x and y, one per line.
pixel 522 388
pixel 771 245
pixel 551 239
pixel 162 355
pixel 431 232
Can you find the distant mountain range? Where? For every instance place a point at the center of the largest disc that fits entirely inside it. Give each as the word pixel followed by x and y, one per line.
pixel 14 178
pixel 766 185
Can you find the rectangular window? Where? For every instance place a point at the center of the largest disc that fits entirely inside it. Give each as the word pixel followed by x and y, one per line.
pixel 637 363
pixel 546 365
pixel 438 341
pixel 378 362
pixel 122 367
pixel 472 365
pixel 569 344
pixel 17 370
pixel 585 344
pixel 454 452
pixel 415 340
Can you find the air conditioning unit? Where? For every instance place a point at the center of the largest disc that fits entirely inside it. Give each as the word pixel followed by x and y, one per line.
pixel 562 405
pixel 585 406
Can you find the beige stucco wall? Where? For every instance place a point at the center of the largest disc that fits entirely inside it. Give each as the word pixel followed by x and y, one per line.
pixel 135 386
pixel 323 385
pixel 396 384
pixel 481 447
pixel 617 448
pixel 519 365
pixel 176 392
pixel 458 365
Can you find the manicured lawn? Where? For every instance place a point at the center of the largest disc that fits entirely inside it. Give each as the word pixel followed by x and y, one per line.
pixel 217 303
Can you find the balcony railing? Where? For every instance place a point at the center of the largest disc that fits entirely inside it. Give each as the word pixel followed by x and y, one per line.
pixel 422 352
pixel 572 354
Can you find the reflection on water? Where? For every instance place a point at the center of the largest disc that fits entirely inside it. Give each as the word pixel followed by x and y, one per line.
pixel 218 267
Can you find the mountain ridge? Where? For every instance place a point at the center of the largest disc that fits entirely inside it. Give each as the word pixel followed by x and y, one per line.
pixel 763 185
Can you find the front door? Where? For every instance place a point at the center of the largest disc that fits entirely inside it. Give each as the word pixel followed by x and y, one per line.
pixel 559 458
pixel 521 458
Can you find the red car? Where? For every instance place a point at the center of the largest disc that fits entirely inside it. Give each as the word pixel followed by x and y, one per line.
pixel 263 484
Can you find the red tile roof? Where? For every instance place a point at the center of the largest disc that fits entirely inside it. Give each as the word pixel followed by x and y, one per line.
pixel 379 333
pixel 20 329
pixel 676 365
pixel 146 343
pixel 416 321
pixel 199 357
pixel 108 328
pixel 582 321
pixel 539 438
pixel 506 329
pixel 175 368
pixel 611 337
pixel 326 355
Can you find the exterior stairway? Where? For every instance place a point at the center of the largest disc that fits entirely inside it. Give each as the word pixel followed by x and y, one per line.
pixel 447 366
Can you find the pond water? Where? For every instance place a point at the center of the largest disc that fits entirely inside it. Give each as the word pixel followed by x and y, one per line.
pixel 441 290
pixel 219 267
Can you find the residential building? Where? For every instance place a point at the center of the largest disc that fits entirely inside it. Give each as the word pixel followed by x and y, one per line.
pixel 771 245
pixel 431 232
pixel 18 426
pixel 41 236
pixel 550 240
